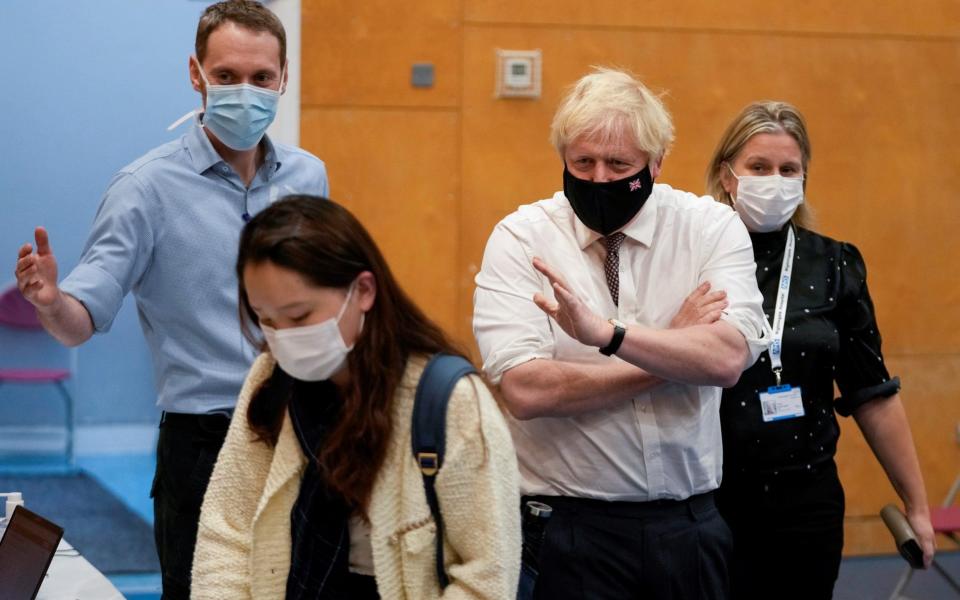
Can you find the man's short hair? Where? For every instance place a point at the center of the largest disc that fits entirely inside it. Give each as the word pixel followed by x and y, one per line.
pixel 608 104
pixel 246 13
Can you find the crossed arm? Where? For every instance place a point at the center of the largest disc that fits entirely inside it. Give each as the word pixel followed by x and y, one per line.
pixel 698 348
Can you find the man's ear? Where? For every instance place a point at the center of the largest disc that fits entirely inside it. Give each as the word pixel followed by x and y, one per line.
pixel 656 167
pixel 195 79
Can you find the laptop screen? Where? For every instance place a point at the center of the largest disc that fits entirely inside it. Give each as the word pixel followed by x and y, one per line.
pixel 27 547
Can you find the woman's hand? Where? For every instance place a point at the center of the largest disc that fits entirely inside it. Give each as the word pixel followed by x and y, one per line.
pixel 570 313
pixel 920 522
pixel 701 307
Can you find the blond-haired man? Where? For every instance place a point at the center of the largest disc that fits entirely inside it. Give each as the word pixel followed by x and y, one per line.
pixel 614 395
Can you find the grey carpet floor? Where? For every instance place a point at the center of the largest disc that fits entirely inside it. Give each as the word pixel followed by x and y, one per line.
pixel 874 577
pixel 95 522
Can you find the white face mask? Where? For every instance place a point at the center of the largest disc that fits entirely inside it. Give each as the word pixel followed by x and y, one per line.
pixel 312 352
pixel 766 203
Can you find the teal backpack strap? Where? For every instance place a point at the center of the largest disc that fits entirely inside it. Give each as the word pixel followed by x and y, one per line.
pixel 429 431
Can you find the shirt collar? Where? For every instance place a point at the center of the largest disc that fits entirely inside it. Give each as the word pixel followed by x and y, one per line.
pixel 202 152
pixel 641 228
pixel 271 158
pixel 204 155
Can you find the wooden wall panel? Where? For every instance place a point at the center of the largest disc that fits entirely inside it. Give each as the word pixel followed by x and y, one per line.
pixel 397 171
pixel 894 17
pixel 361 53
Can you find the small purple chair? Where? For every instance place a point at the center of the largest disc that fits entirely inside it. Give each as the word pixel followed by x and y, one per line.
pixel 17 313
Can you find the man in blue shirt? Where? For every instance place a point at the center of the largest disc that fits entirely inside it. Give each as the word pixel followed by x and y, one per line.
pixel 168 229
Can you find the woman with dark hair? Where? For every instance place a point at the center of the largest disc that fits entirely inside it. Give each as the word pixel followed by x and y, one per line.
pixel 316 493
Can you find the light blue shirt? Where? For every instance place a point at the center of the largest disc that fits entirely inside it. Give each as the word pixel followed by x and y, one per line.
pixel 168 229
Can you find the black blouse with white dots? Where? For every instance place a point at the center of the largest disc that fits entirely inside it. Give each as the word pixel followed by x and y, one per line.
pixel 830 335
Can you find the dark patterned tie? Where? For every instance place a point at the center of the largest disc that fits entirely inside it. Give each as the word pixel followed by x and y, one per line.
pixel 611 267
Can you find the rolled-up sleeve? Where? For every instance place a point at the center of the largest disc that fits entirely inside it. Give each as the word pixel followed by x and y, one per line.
pixel 861 374
pixel 117 252
pixel 730 266
pixel 510 329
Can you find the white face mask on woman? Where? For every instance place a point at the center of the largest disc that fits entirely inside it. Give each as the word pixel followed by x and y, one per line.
pixel 765 203
pixel 312 352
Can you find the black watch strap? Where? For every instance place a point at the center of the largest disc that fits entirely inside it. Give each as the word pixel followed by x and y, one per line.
pixel 619 331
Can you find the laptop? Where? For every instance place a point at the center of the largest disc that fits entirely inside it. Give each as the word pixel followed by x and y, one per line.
pixel 27 547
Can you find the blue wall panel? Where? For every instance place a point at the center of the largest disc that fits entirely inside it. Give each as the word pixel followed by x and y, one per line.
pixel 88 87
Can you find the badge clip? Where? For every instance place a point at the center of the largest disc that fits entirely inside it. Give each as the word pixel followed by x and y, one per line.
pixel 776 373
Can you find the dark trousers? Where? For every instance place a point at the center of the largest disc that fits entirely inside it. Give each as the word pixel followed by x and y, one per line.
pixel 787 533
pixel 187 449
pixel 617 550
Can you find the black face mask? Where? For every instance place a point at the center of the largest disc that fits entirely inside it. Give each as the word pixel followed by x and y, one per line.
pixel 606 207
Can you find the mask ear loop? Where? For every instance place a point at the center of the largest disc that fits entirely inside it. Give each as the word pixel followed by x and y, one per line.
pixel 203 75
pixel 343 308
pixel 182 119
pixel 346 301
pixel 733 200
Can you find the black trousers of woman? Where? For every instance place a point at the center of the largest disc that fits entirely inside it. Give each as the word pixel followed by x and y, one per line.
pixel 787 533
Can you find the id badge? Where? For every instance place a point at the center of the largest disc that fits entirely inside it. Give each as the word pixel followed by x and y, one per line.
pixel 781 402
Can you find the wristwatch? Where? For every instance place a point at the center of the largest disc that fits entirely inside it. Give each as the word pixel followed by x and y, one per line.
pixel 619 331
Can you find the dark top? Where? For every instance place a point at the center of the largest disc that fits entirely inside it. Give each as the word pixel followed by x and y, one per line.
pixel 830 335
pixel 319 521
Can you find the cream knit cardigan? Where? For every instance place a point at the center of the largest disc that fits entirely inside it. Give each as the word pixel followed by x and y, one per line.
pixel 243 543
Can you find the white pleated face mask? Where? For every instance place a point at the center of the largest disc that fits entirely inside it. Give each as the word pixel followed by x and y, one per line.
pixel 312 352
pixel 765 203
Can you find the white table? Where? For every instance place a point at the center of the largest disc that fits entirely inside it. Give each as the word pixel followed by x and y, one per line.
pixel 72 577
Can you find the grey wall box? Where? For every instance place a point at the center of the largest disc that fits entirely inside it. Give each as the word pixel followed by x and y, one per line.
pixel 422 75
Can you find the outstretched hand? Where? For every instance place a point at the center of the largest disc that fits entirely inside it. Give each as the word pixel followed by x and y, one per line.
pixel 571 314
pixel 37 272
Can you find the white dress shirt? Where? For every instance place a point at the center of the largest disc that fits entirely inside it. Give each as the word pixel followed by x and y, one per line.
pixel 666 443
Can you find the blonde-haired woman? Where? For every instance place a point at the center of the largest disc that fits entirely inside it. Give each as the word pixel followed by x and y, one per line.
pixel 780 493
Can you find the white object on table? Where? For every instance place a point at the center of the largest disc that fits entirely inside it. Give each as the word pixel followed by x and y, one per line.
pixel 72 577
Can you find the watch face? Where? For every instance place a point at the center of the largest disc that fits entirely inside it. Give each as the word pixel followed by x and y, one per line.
pixel 617 323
